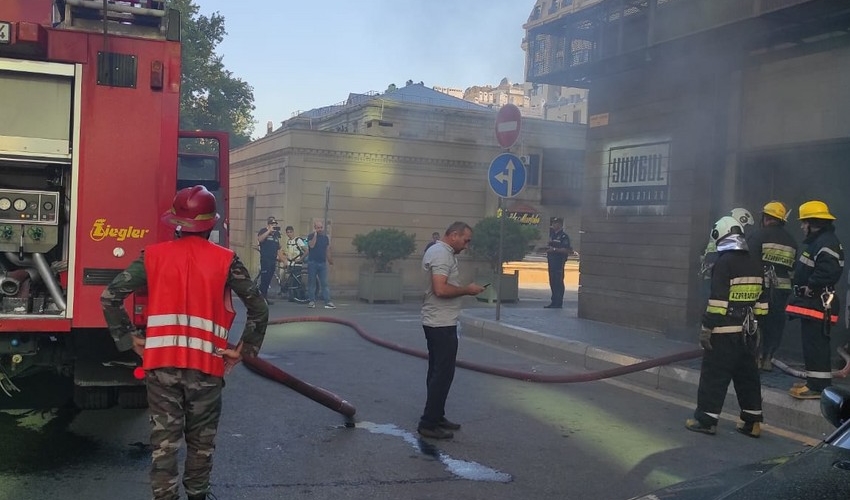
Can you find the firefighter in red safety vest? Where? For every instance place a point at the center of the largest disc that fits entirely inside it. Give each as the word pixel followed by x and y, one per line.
pixel 814 301
pixel 729 334
pixel 184 348
pixel 776 250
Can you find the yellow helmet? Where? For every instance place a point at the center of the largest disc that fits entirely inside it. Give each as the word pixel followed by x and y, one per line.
pixel 775 209
pixel 815 210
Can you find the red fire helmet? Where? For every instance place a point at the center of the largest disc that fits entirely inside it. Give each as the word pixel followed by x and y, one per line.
pixel 193 210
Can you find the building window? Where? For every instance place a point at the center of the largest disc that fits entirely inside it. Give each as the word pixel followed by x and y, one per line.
pixel 562 176
pixel 577 116
pixel 532 170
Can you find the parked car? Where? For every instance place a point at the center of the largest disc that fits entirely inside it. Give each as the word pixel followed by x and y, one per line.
pixel 821 472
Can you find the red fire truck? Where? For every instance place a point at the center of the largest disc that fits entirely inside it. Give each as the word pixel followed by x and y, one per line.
pixel 90 156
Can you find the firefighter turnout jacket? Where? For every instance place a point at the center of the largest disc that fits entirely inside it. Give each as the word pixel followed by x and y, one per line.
pixel 736 288
pixel 819 268
pixel 776 249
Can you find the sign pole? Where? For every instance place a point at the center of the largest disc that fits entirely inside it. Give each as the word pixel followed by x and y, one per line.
pixel 498 277
pixel 501 177
pixel 327 204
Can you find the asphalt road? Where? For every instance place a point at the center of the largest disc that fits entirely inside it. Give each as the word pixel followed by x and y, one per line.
pixel 520 440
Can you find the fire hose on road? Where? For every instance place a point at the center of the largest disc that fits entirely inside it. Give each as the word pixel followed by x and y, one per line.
pixel 339 405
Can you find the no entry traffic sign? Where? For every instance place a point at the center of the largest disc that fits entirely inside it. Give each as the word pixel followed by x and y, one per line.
pixel 508 122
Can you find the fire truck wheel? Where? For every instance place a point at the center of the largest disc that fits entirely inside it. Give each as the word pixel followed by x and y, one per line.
pixel 132 397
pixel 93 398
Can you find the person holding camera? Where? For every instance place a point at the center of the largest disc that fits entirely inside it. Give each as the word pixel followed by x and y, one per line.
pixel 268 239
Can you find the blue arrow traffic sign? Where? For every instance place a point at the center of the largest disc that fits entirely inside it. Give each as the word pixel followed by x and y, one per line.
pixel 506 175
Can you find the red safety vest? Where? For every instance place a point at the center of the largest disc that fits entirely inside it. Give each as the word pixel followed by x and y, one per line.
pixel 189 305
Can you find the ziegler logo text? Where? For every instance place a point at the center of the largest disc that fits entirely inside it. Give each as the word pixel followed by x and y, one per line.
pixel 100 230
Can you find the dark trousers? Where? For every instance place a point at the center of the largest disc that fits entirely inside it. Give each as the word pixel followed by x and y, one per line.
pixel 816 354
pixel 183 404
pixel 773 325
pixel 729 360
pixel 267 270
pixel 556 283
pixel 442 353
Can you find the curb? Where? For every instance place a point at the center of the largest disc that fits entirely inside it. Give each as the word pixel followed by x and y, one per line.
pixel 779 408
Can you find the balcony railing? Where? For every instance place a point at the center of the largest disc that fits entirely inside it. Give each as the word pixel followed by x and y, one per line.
pixel 560 49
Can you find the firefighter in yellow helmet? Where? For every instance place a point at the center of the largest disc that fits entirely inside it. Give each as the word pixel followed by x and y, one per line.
pixel 729 334
pixel 776 250
pixel 814 302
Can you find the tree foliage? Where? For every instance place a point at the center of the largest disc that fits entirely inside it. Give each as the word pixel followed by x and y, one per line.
pixel 211 97
pixel 383 246
pixel 516 241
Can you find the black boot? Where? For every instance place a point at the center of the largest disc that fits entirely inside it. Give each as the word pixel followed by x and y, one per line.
pixel 202 496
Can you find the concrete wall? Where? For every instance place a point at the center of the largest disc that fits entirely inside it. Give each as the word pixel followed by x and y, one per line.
pixel 797 100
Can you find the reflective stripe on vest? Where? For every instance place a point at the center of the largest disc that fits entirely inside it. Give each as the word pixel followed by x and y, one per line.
pixel 776 253
pixel 180 341
pixel 190 321
pixel 809 313
pixel 745 289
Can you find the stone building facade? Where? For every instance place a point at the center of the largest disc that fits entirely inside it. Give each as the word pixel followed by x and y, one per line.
pixel 413 159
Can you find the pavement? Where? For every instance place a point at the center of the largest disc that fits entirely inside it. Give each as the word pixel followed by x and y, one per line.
pixel 558 334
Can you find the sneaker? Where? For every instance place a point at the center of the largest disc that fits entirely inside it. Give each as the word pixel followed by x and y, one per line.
pixel 448 424
pixel 311 305
pixel 695 425
pixel 798 384
pixel 751 429
pixel 804 393
pixel 330 305
pixel 435 433
pixel 553 306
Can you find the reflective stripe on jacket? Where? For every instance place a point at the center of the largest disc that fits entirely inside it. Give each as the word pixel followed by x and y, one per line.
pixel 736 286
pixel 776 249
pixel 189 305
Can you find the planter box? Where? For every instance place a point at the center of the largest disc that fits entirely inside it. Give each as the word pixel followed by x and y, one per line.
pixel 381 287
pixel 508 288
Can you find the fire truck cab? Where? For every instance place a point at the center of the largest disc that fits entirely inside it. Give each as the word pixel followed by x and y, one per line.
pixel 90 157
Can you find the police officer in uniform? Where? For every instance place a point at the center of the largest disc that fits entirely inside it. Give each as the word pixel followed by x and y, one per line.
pixel 776 250
pixel 814 301
pixel 556 256
pixel 184 347
pixel 729 334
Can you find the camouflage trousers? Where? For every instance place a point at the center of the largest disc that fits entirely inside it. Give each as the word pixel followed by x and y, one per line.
pixel 183 404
